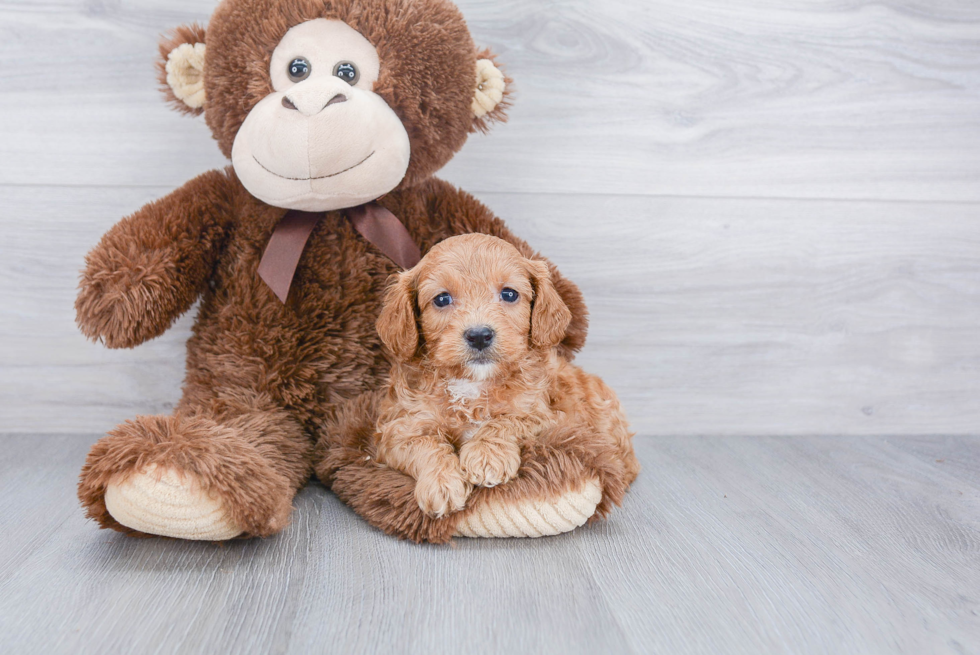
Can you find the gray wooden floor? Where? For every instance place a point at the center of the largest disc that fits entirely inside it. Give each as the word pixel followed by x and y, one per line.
pixel 773 209
pixel 737 545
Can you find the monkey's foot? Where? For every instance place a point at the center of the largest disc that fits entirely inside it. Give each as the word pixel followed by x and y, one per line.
pixel 169 503
pixel 532 518
pixel 187 477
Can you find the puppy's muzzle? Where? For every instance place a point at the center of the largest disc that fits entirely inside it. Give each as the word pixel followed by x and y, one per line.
pixel 479 338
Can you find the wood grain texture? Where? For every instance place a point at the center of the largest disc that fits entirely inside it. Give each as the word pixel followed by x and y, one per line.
pixel 741 545
pixel 840 99
pixel 713 317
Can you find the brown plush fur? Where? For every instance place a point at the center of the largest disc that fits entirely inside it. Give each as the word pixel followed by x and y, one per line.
pixel 456 416
pixel 264 377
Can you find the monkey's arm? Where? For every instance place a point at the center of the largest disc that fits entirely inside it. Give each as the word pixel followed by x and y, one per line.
pixel 453 211
pixel 151 266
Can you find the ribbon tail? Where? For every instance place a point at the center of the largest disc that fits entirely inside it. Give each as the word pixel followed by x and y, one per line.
pixel 282 254
pixel 388 234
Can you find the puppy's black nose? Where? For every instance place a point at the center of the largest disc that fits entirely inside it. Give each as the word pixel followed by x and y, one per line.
pixel 479 337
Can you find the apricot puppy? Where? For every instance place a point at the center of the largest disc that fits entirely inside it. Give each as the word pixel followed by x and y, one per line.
pixel 472 330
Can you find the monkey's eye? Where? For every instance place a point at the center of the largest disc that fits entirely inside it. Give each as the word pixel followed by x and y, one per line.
pixel 442 300
pixel 347 72
pixel 509 295
pixel 299 69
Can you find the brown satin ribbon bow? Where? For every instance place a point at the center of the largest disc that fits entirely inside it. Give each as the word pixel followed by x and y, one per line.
pixel 372 221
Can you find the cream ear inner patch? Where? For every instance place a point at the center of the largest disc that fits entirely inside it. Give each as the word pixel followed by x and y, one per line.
pixel 489 88
pixel 185 73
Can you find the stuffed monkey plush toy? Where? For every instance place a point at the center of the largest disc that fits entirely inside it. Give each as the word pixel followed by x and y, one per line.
pixel 335 115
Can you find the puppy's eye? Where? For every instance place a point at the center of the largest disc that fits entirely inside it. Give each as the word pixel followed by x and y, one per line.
pixel 347 72
pixel 442 300
pixel 299 69
pixel 509 295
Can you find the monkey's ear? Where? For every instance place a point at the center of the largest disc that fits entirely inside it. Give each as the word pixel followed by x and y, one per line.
pixel 396 325
pixel 550 315
pixel 491 95
pixel 180 68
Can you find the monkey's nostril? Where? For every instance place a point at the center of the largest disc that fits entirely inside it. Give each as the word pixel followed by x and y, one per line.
pixel 287 103
pixel 340 97
pixel 479 338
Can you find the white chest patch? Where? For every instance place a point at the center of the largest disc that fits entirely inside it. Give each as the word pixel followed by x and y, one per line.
pixel 460 390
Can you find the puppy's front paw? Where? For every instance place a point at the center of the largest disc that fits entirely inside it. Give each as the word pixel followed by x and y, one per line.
pixel 489 463
pixel 442 491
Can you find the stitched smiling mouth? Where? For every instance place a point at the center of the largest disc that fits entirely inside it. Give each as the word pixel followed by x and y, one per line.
pixel 320 177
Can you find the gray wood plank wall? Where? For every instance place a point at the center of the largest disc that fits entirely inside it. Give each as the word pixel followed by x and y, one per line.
pixel 772 207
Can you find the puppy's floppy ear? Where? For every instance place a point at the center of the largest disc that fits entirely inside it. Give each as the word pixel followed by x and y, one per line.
pixel 549 314
pixel 180 68
pixel 397 325
pixel 491 93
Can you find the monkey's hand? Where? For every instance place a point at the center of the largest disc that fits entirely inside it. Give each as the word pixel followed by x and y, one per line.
pixel 151 266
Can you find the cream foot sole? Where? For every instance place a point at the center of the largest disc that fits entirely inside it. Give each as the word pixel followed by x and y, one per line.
pixel 530 518
pixel 167 503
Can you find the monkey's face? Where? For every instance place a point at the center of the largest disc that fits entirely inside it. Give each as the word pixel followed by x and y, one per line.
pixel 327 104
pixel 322 139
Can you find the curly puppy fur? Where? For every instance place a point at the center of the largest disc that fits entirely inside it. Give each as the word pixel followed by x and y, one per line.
pixel 457 417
